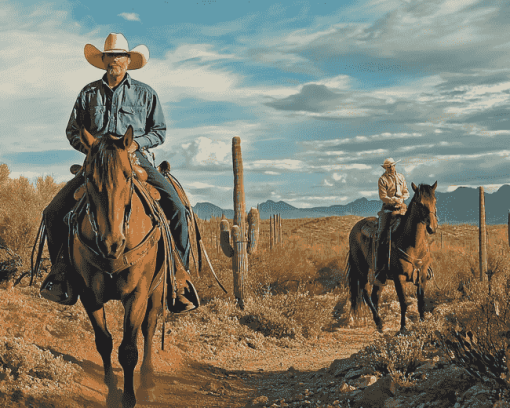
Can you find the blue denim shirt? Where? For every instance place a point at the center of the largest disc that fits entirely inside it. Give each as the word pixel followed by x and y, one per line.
pixel 105 111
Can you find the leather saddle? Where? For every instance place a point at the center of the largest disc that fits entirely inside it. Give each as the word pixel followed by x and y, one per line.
pixel 370 229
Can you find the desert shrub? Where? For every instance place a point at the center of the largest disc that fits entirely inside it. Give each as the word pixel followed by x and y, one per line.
pixel 22 361
pixel 21 206
pixel 477 339
pixel 282 316
pixel 292 314
pixel 400 356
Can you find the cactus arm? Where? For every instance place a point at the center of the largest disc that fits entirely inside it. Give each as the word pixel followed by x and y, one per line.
pixel 253 230
pixel 225 238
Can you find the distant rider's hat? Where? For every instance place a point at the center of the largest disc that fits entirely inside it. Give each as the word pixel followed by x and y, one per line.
pixel 117 43
pixel 389 162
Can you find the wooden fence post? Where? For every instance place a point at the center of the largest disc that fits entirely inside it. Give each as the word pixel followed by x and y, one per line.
pixel 482 238
pixel 279 229
pixel 271 232
pixel 508 227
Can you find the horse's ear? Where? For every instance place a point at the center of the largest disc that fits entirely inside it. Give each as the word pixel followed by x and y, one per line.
pixel 434 186
pixel 128 137
pixel 86 138
pixel 414 187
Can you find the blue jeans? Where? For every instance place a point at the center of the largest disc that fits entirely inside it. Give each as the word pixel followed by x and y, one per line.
pixel 64 202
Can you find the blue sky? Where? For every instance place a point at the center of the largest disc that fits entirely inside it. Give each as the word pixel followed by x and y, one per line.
pixel 320 92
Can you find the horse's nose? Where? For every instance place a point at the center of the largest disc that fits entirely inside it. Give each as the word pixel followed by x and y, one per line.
pixel 112 248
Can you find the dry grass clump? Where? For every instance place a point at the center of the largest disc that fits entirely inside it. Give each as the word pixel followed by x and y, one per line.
pixel 31 374
pixel 22 361
pixel 283 316
pixel 400 356
pixel 21 207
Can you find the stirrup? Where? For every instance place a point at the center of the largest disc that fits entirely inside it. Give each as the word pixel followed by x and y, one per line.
pixel 57 286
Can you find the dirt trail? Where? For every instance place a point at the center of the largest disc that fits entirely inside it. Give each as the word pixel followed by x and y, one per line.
pixel 182 381
pixel 185 377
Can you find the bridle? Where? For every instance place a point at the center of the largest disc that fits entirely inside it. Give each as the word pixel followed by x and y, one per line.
pixel 127 212
pixel 425 211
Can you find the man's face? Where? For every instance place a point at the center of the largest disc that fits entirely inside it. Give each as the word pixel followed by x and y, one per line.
pixel 116 64
pixel 391 169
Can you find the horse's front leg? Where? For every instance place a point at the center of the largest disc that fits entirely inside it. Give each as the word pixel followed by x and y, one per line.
pixel 149 324
pixel 399 287
pixel 420 294
pixel 135 307
pixel 104 341
pixel 147 384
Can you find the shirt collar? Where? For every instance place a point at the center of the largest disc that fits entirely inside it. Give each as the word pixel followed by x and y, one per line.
pixel 125 81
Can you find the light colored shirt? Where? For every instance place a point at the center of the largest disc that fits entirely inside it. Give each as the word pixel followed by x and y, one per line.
pixel 105 111
pixel 391 187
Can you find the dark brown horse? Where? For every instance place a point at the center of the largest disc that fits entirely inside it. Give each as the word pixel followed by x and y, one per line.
pixel 114 250
pixel 410 256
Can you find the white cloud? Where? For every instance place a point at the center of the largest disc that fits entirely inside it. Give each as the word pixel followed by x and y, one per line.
pixel 369 193
pixel 207 152
pixel 339 177
pixel 130 16
pixel 283 164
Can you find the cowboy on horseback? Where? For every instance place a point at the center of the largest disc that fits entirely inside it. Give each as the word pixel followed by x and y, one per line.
pixel 105 107
pixel 392 192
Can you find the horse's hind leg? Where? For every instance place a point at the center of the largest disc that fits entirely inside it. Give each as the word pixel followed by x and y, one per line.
pixel 373 308
pixel 135 308
pixel 374 297
pixel 104 342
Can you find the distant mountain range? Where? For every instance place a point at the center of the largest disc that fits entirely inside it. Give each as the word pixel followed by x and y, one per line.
pixel 457 207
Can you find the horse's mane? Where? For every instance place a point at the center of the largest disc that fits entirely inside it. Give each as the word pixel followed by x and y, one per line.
pixel 105 162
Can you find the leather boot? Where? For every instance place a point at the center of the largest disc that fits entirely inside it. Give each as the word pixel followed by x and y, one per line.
pixel 57 286
pixel 182 304
pixel 186 297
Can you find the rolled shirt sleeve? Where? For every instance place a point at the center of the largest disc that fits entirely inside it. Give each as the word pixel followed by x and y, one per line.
pixel 74 125
pixel 155 126
pixel 405 191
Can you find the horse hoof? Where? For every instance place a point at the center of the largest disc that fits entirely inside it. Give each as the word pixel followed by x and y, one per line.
pixel 402 332
pixel 113 398
pixel 128 401
pixel 146 394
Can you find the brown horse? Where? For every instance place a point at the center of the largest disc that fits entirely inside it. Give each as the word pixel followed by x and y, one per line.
pixel 114 249
pixel 410 256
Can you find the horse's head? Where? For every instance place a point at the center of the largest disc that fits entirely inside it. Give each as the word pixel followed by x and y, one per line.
pixel 425 201
pixel 108 179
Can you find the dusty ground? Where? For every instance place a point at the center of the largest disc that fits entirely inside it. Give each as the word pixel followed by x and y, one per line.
pixel 322 372
pixel 184 376
pixel 198 373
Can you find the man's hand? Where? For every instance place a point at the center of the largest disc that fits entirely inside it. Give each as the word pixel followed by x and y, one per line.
pixel 133 147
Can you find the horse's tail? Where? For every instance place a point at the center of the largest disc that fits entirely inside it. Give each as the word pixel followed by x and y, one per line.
pixel 354 283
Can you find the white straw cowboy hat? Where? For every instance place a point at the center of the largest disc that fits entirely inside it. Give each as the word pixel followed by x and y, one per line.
pixel 389 162
pixel 117 43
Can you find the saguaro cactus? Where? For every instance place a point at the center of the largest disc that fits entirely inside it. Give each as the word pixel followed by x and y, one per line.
pixel 243 242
